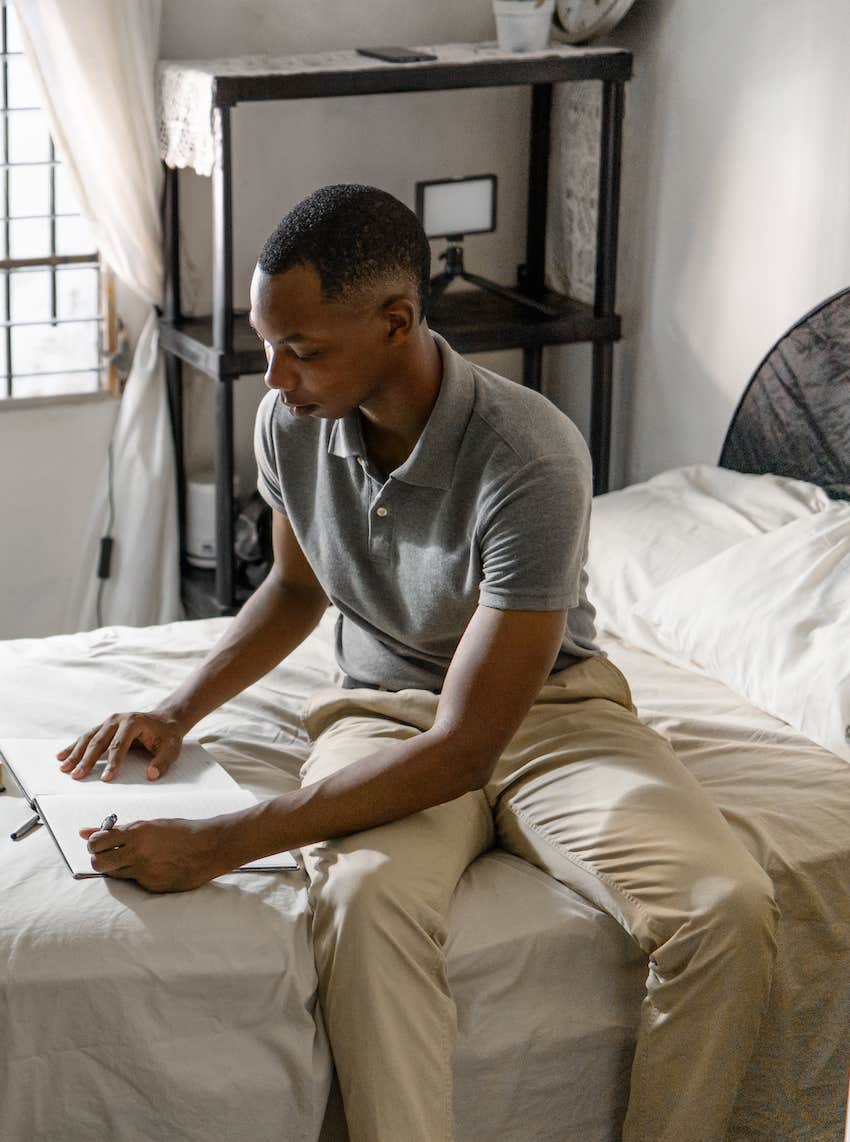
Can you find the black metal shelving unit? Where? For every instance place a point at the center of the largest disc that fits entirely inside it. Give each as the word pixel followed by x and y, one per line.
pixel 223 347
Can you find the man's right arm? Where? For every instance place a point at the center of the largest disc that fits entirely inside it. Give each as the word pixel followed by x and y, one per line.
pixel 276 619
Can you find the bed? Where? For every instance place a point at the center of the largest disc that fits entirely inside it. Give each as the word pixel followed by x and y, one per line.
pixel 194 1016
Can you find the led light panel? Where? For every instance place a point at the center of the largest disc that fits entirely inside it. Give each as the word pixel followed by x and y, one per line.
pixel 456 206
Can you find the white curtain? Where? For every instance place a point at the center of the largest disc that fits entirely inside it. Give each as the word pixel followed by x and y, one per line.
pixel 95 61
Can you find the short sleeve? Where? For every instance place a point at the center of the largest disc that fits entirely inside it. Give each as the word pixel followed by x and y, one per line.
pixel 265 453
pixel 533 539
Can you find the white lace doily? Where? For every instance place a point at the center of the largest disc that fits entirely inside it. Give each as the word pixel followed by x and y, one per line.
pixel 185 87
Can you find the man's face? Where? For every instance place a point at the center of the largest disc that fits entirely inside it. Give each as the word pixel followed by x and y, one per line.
pixel 325 358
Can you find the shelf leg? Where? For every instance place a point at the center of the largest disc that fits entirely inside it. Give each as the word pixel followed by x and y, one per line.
pixel 171 242
pixel 532 367
pixel 174 390
pixel 606 277
pixel 171 311
pixel 538 190
pixel 531 276
pixel 222 203
pixel 224 564
pixel 600 414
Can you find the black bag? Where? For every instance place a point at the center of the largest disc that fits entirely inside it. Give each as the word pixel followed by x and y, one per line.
pixel 252 542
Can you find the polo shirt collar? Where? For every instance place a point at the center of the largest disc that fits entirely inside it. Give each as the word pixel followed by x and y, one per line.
pixel 432 462
pixel 345 437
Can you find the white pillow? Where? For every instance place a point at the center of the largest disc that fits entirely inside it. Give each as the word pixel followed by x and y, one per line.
pixel 649 533
pixel 770 617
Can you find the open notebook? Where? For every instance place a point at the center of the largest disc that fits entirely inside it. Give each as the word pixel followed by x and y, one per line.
pixel 195 786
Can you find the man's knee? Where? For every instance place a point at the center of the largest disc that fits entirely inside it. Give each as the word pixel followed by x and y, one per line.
pixel 750 907
pixel 737 910
pixel 727 915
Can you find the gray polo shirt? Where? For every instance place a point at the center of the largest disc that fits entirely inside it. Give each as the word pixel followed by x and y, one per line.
pixel 492 507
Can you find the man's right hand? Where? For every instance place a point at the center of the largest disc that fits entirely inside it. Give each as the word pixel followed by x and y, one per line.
pixel 160 734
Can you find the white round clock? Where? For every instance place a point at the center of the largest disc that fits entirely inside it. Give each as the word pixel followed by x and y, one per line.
pixel 577 21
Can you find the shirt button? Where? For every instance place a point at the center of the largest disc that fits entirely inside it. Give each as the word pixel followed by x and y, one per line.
pixel 382 511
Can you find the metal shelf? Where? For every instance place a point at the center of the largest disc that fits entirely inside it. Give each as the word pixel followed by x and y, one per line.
pixel 339 73
pixel 471 320
pixel 224 347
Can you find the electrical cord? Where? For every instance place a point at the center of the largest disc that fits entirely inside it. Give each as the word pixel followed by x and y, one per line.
pixel 105 555
pixel 121 361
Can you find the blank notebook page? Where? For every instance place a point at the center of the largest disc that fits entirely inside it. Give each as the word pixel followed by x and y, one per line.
pixel 35 764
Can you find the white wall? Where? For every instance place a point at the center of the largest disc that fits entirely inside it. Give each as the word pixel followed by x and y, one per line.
pixel 50 460
pixel 734 222
pixel 736 211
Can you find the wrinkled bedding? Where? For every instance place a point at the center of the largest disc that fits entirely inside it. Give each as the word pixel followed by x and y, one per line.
pixel 193 1016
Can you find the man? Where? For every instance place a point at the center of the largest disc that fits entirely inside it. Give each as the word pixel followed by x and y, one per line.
pixel 444 511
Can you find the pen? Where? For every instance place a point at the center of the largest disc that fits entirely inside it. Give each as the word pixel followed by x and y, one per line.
pixel 109 821
pixel 27 827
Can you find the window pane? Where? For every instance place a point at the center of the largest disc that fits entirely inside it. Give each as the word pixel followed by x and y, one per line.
pixel 29 238
pixel 23 91
pixel 29 138
pixel 13 34
pixel 30 295
pixel 55 384
pixel 78 293
pixel 66 200
pixel 29 191
pixel 42 358
pixel 52 348
pixel 4 357
pixel 74 236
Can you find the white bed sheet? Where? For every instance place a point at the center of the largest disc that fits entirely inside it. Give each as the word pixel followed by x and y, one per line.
pixel 130 1016
pixel 194 1016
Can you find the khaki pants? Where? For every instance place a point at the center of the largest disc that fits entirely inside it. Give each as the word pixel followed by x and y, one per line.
pixel 597 800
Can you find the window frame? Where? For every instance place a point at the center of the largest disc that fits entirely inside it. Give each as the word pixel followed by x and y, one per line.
pixel 106 317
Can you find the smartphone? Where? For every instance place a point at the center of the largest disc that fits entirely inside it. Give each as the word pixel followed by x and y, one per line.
pixel 396 55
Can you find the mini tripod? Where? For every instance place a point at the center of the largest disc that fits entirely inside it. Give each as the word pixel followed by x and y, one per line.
pixel 453 257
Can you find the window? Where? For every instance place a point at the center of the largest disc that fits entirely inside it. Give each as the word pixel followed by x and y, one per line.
pixel 56 301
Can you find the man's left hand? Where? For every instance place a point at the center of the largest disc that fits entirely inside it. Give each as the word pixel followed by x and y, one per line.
pixel 162 855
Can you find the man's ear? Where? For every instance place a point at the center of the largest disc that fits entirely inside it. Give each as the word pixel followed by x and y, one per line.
pixel 401 316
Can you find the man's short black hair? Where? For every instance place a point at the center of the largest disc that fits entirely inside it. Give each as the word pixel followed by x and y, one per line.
pixel 355 237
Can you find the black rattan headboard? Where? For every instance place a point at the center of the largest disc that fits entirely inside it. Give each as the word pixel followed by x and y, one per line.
pixel 794 416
